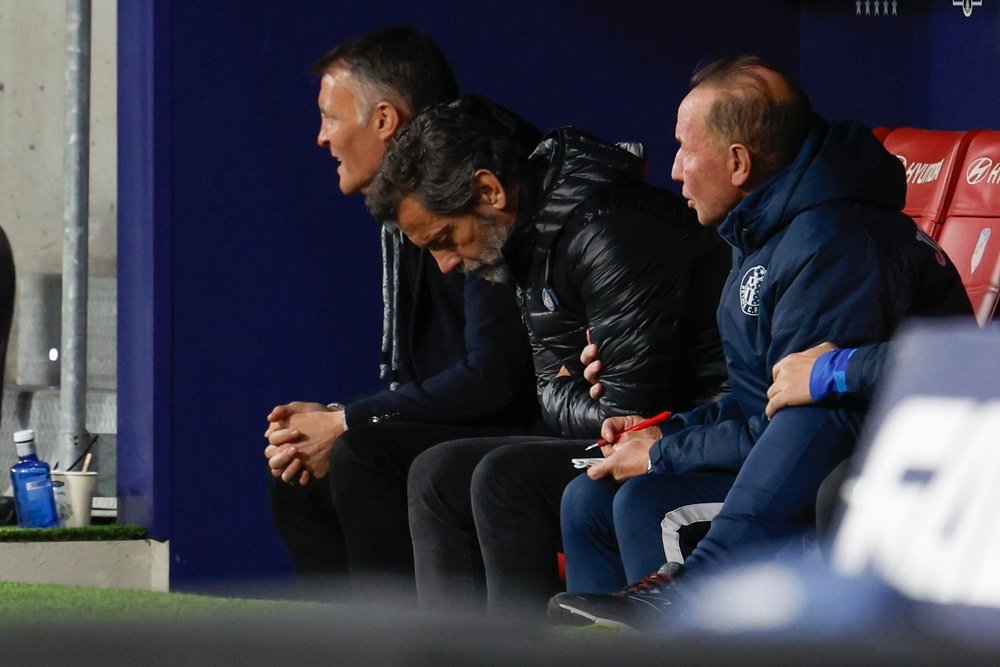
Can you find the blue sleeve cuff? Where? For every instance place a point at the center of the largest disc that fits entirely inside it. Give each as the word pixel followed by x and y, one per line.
pixel 829 374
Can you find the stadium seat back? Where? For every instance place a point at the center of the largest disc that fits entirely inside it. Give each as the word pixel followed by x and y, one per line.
pixel 881 132
pixel 970 231
pixel 930 159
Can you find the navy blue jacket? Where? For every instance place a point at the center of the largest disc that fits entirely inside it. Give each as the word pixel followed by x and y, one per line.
pixel 464 353
pixel 821 252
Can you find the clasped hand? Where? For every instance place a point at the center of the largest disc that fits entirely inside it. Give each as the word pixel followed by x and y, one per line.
pixel 300 437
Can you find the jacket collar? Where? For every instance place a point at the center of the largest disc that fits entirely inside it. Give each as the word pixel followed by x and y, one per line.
pixel 763 213
pixel 564 170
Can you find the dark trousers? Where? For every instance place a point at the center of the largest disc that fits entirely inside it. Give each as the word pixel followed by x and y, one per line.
pixel 355 519
pixel 484 516
pixel 617 534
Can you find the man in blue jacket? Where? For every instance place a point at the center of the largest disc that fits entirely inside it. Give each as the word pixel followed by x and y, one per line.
pixel 455 352
pixel 821 252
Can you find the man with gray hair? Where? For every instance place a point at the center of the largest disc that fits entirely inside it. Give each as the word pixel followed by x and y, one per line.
pixel 821 252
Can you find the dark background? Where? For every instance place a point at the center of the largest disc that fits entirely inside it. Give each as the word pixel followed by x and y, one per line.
pixel 247 280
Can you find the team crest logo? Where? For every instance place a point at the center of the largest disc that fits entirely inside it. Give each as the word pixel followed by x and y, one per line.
pixel 549 300
pixel 977 254
pixel 750 288
pixel 967 6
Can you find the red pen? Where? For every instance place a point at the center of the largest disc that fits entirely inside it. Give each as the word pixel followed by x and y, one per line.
pixel 646 423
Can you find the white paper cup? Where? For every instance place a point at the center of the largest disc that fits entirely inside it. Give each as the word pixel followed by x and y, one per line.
pixel 74 494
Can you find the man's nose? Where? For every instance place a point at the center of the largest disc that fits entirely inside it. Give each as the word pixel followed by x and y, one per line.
pixel 675 170
pixel 446 260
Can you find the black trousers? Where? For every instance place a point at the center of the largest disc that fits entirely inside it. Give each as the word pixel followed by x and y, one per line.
pixel 354 521
pixel 484 516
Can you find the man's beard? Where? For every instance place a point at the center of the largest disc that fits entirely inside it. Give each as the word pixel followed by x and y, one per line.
pixel 491 265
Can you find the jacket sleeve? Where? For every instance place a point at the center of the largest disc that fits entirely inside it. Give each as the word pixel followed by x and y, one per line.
pixel 814 292
pixel 495 367
pixel 632 275
pixel 865 369
pixel 691 440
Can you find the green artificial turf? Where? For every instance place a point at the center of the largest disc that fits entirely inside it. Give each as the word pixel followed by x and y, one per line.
pixel 50 602
pixel 115 531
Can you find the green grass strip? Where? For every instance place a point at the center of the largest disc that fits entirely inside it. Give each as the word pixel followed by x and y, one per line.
pixel 51 602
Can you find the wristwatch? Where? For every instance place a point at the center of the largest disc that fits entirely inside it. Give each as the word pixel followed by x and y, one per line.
pixel 338 407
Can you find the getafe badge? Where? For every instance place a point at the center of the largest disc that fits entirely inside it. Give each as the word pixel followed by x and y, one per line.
pixel 750 289
pixel 549 299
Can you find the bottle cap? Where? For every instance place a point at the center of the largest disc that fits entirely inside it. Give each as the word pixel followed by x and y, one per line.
pixel 27 435
pixel 24 442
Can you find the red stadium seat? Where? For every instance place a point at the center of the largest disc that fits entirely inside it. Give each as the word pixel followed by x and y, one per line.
pixel 970 232
pixel 881 133
pixel 930 159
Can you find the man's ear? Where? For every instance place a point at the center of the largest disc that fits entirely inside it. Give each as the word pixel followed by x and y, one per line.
pixel 388 120
pixel 740 165
pixel 490 191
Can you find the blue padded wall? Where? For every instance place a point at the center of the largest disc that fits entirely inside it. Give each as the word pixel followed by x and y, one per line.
pixel 246 279
pixel 927 66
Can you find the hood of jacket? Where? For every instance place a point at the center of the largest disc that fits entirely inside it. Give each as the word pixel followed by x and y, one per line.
pixel 565 169
pixel 838 160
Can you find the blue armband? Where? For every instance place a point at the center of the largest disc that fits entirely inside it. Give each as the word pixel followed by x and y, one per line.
pixel 829 374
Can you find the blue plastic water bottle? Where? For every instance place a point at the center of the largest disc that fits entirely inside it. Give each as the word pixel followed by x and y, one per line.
pixel 32 480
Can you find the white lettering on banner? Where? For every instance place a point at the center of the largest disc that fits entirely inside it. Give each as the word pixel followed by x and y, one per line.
pixel 977 170
pixel 994 178
pixel 921 172
pixel 923 513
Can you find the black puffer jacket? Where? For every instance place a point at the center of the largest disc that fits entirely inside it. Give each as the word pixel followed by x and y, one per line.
pixel 595 248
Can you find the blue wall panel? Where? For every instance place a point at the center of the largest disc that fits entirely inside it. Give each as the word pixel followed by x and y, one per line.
pixel 246 279
pixel 926 66
pixel 144 266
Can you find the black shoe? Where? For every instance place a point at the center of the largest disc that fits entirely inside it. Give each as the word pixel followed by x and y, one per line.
pixel 646 605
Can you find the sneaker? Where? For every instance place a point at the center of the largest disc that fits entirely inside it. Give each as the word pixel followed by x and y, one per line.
pixel 644 606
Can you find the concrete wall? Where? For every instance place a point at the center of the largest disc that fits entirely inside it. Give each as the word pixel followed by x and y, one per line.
pixel 32 103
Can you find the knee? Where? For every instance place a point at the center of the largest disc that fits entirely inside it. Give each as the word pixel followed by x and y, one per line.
pixel 633 495
pixel 633 507
pixel 495 481
pixel 425 485
pixel 350 456
pixel 583 500
pixel 281 495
